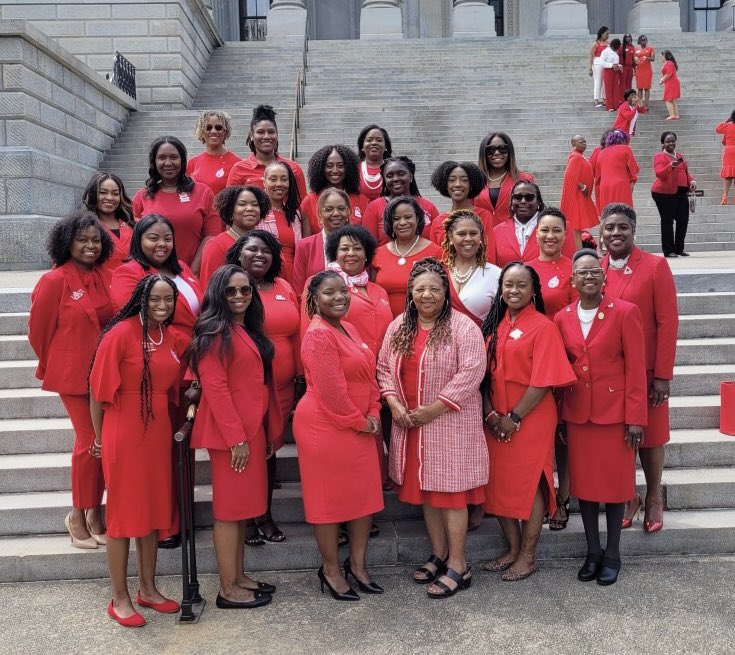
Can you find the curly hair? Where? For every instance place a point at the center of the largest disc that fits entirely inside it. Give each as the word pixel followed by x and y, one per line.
pixel 408 164
pixel 136 248
pixel 226 200
pixel 261 113
pixel 498 310
pixel 541 206
pixel 511 166
pixel 293 198
pixel 440 177
pixel 153 183
pixel 449 224
pixel 363 135
pixel 138 305
pixel 404 337
pixel 313 287
pixel 124 211
pixel 318 164
pixel 199 131
pixel 390 209
pixel 274 245
pixel 619 208
pixel 66 229
pixel 356 233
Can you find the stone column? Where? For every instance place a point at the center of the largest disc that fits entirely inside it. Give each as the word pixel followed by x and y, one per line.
pixel 563 17
pixel 654 16
pixel 726 17
pixel 286 19
pixel 381 19
pixel 473 18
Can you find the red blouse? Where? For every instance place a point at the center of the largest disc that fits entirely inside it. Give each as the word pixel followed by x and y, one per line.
pixel 556 283
pixel 212 170
pixel 308 208
pixel 252 171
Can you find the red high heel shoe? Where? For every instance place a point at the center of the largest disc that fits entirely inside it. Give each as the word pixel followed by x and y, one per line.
pixel 133 621
pixel 632 511
pixel 654 525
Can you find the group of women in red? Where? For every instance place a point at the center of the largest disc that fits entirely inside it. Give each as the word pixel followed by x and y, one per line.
pixel 453 337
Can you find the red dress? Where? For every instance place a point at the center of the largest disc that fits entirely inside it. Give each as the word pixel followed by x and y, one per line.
pixel 727 129
pixel 437 233
pixel 340 474
pixel 136 461
pixel 213 255
pixel 371 190
pixel 121 242
pixel 616 170
pixel 507 249
pixel 277 224
pixel 644 70
pixel 529 352
pixel 394 277
pixel 672 86
pixel 410 491
pixel 556 283
pixel 578 209
pixel 308 208
pixel 500 210
pixel 212 170
pixel 252 171
pixel 372 219
pixel 192 214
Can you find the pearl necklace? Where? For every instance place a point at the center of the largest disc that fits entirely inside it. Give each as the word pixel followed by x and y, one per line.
pixel 496 179
pixel 462 278
pixel 149 337
pixel 618 264
pixel 402 259
pixel 367 178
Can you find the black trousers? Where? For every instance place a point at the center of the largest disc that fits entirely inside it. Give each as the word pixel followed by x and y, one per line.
pixel 673 209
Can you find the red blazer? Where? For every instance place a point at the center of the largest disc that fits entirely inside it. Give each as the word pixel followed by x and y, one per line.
pixel 624 118
pixel 507 250
pixel 235 405
pixel 308 261
pixel 609 364
pixel 63 329
pixel 647 281
pixel 501 210
pixel 668 178
pixel 122 246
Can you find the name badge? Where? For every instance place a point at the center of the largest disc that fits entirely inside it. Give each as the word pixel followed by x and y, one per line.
pixel 76 295
pixel 184 197
pixel 516 334
pixel 220 173
pixel 357 212
pixel 280 297
pixel 553 282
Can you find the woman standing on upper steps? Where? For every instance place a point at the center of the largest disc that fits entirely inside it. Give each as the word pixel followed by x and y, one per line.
pixel 595 68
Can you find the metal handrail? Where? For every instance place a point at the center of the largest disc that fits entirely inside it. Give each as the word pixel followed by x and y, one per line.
pixel 300 96
pixel 123 75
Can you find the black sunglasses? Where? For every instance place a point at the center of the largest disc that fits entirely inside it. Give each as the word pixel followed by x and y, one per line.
pixel 218 128
pixel 491 150
pixel 231 292
pixel 528 197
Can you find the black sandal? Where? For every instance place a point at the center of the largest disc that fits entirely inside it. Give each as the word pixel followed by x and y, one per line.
pixel 342 537
pixel 563 506
pixel 252 534
pixel 374 530
pixel 463 582
pixel 270 530
pixel 439 564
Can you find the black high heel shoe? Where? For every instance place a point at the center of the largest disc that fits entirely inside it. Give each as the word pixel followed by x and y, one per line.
pixel 348 595
pixel 591 568
pixel 368 588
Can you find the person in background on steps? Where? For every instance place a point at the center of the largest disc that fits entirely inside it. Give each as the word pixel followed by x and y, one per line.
pixel 70 305
pixel 727 129
pixel 602 415
pixel 212 167
pixel 627 113
pixel 263 143
pixel 644 55
pixel 595 67
pixel 593 160
pixel 616 171
pixel 373 147
pixel 335 425
pixel 645 280
pixel 135 368
pixel 576 193
pixel 105 196
pixel 627 61
pixel 612 74
pixel 670 192
pixel 670 82
pixel 237 421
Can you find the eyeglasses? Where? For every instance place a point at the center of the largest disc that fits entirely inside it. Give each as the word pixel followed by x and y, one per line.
pixel 528 197
pixel 341 209
pixel 216 128
pixel 231 292
pixel 588 272
pixel 491 150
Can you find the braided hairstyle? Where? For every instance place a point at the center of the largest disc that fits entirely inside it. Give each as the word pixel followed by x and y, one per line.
pixel 498 310
pixel 404 337
pixel 293 199
pixel 311 290
pixel 138 305
pixel 318 164
pixel 261 113
pixel 450 223
pixel 408 164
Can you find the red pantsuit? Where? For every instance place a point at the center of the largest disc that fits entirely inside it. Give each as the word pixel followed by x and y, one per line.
pixel 529 353
pixel 308 261
pixel 616 172
pixel 251 171
pixel 212 170
pixel 500 209
pixel 69 307
pixel 136 459
pixel 372 219
pixel 609 394
pixel 613 95
pixel 121 242
pixel 556 283
pixel 507 249
pixel 579 209
pixel 309 208
pixel 237 404
pixel 340 474
pixel 646 281
pixel 214 255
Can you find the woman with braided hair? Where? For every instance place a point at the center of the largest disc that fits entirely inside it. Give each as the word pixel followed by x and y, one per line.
pixel 430 369
pixel 525 359
pixel 134 372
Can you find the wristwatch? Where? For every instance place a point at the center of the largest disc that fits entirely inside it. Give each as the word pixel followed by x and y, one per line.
pixel 516 419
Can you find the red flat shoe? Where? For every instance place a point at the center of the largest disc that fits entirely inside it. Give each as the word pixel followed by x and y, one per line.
pixel 134 621
pixel 168 606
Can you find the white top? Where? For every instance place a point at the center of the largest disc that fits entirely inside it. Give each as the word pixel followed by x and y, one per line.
pixel 586 318
pixel 609 58
pixel 524 232
pixel 186 290
pixel 478 294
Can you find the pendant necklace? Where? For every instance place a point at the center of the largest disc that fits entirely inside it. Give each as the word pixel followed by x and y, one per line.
pixel 402 258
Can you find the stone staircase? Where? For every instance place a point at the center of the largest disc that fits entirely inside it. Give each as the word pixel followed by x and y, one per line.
pixel 540 105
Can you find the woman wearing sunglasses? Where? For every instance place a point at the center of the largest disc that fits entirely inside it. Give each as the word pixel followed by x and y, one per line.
pixel 212 166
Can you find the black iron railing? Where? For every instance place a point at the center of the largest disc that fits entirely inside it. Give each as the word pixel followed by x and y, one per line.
pixel 300 96
pixel 123 75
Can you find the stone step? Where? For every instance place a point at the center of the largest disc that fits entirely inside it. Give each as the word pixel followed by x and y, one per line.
pixel 18 373
pixel 698 326
pixel 15 347
pixel 719 350
pixel 36 435
pixel 695 380
pixel 13 323
pixel 30 403
pixel 694 412
pixel 705 303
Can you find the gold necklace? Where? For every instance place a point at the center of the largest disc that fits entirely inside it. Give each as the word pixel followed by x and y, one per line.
pixel 495 179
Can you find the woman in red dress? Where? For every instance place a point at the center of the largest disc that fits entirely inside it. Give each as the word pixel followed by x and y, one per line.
pixel 576 193
pixel 727 173
pixel 430 369
pixel 627 61
pixel 525 359
pixel 135 370
pixel 404 224
pixel 69 306
pixel 603 414
pixel 105 196
pixel 399 175
pixel 263 143
pixel 670 82
pixel 645 54
pixel 337 167
pixel 334 427
pixel 612 72
pixel 373 146
pixel 616 171
pixel 212 167
pixel 189 205
pixel 259 253
pixel 497 160
pixel 241 208
pixel 237 423
pixel 595 67
pixel 645 280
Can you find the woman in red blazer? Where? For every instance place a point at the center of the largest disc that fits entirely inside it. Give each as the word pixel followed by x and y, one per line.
pixel 237 421
pixel 670 192
pixel 603 413
pixel 70 305
pixel 645 280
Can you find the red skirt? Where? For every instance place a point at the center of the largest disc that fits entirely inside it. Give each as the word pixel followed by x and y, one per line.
pixel 657 432
pixel 239 496
pixel 728 162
